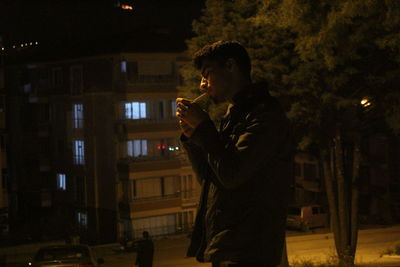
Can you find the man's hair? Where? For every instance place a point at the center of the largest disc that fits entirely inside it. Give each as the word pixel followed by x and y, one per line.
pixel 220 52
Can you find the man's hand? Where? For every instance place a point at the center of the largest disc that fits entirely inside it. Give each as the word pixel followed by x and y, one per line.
pixel 186 129
pixel 190 115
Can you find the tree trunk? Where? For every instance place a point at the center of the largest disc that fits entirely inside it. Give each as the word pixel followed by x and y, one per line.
pixel 330 192
pixel 354 195
pixel 284 261
pixel 342 197
pixel 343 207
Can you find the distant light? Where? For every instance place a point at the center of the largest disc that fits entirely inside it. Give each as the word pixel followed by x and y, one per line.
pixel 22 45
pixel 2 48
pixel 126 7
pixel 26 44
pixel 365 102
pixel 36 43
pixel 30 43
pixel 13 46
pixel 177 148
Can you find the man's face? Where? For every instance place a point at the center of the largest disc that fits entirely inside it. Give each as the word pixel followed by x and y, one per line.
pixel 215 80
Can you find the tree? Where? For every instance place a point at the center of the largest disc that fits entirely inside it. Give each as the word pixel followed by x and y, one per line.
pixel 348 67
pixel 323 58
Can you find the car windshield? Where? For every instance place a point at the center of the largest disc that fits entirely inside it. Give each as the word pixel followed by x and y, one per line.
pixel 294 211
pixel 62 253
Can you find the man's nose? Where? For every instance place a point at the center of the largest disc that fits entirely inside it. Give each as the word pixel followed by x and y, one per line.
pixel 203 84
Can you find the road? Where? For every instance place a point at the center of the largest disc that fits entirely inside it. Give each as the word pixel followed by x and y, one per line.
pixel 318 247
pixel 170 252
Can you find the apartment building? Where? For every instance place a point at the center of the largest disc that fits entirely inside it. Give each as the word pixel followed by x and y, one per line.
pixel 96 149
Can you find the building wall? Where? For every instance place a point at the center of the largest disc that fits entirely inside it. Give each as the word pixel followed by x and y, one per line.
pixel 85 194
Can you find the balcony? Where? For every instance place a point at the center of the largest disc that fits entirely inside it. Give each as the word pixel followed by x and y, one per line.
pixel 155 164
pixel 124 127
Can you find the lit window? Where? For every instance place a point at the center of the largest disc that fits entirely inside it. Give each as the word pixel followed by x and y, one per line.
pixel 173 108
pixel 79 152
pixel 77 113
pixel 137 148
pixel 61 181
pixel 135 110
pixel 82 219
pixel 123 66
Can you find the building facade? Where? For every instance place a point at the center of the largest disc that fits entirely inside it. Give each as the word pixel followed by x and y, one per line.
pixel 96 149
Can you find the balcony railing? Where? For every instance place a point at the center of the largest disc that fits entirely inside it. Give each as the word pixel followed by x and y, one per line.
pixel 148 120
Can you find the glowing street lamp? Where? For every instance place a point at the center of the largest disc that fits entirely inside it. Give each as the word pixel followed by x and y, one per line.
pixel 365 102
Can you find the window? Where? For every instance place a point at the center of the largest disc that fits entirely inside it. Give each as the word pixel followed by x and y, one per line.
pixel 157 225
pixel 82 219
pixel 161 109
pixel 315 210
pixel 77 115
pixel 76 80
pixel 310 171
pixel 173 108
pixel 297 169
pixel 123 66
pixel 79 152
pixel 61 181
pixel 171 185
pixel 148 188
pixel 135 110
pixel 57 78
pixel 137 148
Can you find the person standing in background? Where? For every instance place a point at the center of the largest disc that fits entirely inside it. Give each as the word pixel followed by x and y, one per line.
pixel 145 251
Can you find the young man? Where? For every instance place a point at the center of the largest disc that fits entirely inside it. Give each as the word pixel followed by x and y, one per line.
pixel 145 252
pixel 244 168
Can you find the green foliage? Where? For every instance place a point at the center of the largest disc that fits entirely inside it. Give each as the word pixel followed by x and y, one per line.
pixel 322 57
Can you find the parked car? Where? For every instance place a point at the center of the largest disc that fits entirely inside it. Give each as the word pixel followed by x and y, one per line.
pixel 306 217
pixel 65 256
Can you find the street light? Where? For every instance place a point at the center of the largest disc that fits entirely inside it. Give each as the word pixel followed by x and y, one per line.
pixel 365 102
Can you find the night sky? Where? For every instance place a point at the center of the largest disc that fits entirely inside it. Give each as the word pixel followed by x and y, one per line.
pixel 74 27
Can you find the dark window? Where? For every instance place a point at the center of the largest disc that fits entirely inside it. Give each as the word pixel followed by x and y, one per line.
pixel 310 171
pixel 294 211
pixel 76 80
pixel 57 79
pixel 297 169
pixel 161 109
pixel 315 210
pixel 132 71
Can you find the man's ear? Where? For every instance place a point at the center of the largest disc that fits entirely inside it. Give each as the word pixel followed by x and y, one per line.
pixel 231 65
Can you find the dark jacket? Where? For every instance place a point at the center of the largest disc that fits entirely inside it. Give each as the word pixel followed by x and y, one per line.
pixel 145 253
pixel 245 170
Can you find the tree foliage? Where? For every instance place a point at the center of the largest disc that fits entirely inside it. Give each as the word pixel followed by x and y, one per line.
pixel 322 57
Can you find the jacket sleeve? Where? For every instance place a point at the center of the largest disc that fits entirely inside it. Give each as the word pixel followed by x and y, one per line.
pixel 198 158
pixel 234 163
